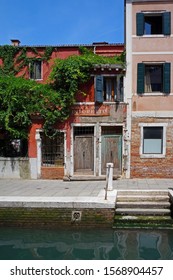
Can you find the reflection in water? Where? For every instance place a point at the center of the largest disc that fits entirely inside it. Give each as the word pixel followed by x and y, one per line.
pixel 88 244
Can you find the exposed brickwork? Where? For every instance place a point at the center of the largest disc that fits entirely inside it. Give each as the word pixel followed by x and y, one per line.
pixel 151 167
pixel 52 172
pixel 55 217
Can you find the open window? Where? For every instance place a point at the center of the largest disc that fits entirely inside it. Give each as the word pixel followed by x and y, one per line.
pixel 158 23
pixel 108 88
pixel 153 78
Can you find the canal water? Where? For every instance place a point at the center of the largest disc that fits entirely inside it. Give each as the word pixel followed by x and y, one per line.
pixel 85 244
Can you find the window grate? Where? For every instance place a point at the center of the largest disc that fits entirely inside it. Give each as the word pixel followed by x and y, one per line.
pixel 53 150
pixel 83 130
pixel 111 130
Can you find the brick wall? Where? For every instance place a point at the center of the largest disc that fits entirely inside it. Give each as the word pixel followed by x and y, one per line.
pixel 52 172
pixel 55 217
pixel 151 167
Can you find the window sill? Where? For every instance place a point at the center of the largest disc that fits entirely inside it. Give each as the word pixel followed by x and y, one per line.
pixel 152 156
pixel 153 94
pixel 112 102
pixel 36 79
pixel 152 36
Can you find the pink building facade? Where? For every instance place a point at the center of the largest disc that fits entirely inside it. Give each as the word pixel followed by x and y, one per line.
pixel 149 88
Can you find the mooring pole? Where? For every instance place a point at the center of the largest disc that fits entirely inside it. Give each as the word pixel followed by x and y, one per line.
pixel 109 178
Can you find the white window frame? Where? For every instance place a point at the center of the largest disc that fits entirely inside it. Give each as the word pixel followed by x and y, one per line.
pixel 163 154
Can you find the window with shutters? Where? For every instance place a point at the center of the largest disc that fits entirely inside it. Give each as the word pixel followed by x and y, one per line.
pixel 36 70
pixel 158 23
pixel 108 88
pixel 153 78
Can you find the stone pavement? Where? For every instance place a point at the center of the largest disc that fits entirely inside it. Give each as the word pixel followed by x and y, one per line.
pixel 59 188
pixel 57 193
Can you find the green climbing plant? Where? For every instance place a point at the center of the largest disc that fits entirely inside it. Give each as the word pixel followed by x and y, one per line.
pixel 69 74
pixel 15 58
pixel 21 99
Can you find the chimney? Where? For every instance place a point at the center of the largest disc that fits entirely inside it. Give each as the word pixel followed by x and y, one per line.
pixel 15 42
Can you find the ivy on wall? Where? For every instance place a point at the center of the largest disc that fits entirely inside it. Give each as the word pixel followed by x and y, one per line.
pixel 15 58
pixel 69 74
pixel 21 99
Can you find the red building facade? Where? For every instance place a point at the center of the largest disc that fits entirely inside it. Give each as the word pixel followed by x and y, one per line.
pixel 93 135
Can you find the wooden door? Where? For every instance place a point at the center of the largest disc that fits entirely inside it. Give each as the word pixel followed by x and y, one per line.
pixel 111 151
pixel 84 154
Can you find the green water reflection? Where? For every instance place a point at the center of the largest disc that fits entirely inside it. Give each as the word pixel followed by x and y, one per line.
pixel 88 244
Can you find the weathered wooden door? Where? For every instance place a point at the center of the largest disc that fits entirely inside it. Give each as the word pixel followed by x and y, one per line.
pixel 84 154
pixel 111 151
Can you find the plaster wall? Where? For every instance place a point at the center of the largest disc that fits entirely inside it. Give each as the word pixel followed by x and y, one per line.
pixel 148 7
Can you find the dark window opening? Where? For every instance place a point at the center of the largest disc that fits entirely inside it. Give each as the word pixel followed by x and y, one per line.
pixel 13 147
pixel 53 150
pixel 35 70
pixel 153 24
pixel 152 140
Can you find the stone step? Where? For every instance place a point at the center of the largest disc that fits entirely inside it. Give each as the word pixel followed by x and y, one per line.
pixel 139 218
pixel 143 192
pixel 161 222
pixel 130 198
pixel 143 204
pixel 87 177
pixel 142 211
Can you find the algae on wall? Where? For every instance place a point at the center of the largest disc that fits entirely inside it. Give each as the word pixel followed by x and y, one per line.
pixel 16 168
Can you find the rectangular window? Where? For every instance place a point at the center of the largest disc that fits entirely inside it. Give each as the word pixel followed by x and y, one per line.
pixel 152 140
pixel 158 23
pixel 12 147
pixel 53 150
pixel 152 78
pixel 108 88
pixel 153 24
pixel 36 70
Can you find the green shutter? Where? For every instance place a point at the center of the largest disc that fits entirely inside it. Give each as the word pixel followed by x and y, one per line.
pixel 99 89
pixel 140 24
pixel 166 77
pixel 140 78
pixel 167 23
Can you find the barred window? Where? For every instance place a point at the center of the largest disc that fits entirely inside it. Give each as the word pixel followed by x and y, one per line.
pixel 53 150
